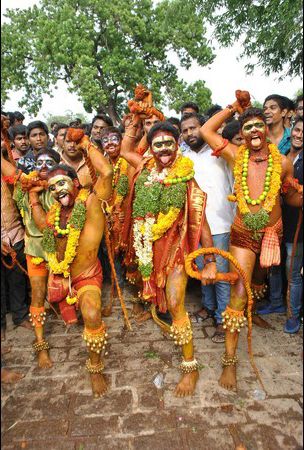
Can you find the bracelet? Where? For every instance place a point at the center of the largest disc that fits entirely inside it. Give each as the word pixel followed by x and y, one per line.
pixel 231 108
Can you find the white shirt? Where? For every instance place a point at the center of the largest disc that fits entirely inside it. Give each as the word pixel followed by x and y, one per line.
pixel 214 177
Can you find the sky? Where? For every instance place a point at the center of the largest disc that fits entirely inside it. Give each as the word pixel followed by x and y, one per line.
pixel 223 77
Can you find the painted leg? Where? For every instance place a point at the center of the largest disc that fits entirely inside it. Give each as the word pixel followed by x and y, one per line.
pixel 238 301
pixel 39 287
pixel 182 330
pixel 95 337
pixel 259 289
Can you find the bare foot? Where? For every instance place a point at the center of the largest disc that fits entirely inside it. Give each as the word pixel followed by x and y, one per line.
pixel 26 324
pixel 187 384
pixel 137 309
pixel 143 317
pixel 10 377
pixel 106 311
pixel 99 385
pixel 228 378
pixel 44 361
pixel 259 322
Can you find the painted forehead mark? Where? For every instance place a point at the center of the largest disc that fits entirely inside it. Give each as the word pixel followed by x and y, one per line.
pixel 253 122
pixel 56 178
pixel 163 138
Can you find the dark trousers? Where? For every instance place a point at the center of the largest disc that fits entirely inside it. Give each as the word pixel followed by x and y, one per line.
pixel 14 289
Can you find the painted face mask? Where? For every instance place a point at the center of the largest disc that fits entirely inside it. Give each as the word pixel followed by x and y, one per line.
pixel 46 162
pixel 112 139
pixel 62 188
pixel 254 133
pixel 164 149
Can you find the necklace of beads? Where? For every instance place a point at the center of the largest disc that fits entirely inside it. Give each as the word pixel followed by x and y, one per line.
pixel 245 187
pixel 116 168
pixel 61 231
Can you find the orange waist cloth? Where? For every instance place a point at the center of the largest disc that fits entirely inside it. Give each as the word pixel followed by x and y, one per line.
pixel 267 244
pixel 59 289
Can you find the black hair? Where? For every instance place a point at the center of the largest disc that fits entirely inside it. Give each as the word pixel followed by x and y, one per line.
pixel 279 99
pixel 109 130
pixel 296 120
pixel 249 113
pixel 53 124
pixel 289 104
pixel 71 173
pixel 189 105
pixel 162 126
pixel 60 126
pixel 299 99
pixel 213 110
pixel 18 115
pixel 201 119
pixel 37 124
pixel 17 129
pixel 50 152
pixel 11 117
pixel 175 121
pixel 103 117
pixel 231 129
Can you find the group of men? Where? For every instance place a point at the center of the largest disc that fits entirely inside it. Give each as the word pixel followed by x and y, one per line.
pixel 140 198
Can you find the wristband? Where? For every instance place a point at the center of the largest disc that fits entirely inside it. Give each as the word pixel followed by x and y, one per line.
pixel 216 152
pixel 231 108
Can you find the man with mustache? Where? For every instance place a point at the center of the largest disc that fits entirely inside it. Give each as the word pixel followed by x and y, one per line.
pixel 27 200
pixel 165 221
pixel 72 231
pixel 259 172
pixel 111 140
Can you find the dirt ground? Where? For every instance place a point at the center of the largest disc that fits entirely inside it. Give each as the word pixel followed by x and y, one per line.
pixel 54 409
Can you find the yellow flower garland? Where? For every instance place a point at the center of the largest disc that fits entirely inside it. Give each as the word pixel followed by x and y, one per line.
pixel 63 267
pixel 275 183
pixel 182 167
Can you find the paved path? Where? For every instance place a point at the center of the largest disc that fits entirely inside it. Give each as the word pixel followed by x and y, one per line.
pixel 54 409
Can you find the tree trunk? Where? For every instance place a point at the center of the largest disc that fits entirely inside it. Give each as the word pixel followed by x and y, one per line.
pixel 110 110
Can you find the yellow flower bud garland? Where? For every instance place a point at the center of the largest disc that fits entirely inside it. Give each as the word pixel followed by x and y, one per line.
pixel 73 230
pixel 159 198
pixel 257 221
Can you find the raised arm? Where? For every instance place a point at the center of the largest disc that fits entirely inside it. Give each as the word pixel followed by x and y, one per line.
pixel 128 143
pixel 103 186
pixel 220 146
pixel 7 168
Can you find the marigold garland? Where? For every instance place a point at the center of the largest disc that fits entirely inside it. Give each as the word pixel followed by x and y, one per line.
pixel 159 198
pixel 77 221
pixel 257 221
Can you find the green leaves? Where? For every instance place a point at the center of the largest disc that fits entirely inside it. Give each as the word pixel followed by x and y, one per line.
pixel 101 49
pixel 270 31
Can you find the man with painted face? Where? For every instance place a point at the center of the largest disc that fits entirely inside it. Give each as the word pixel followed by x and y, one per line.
pixel 165 221
pixel 71 240
pixel 111 139
pixel 37 133
pixel 259 172
pixel 29 194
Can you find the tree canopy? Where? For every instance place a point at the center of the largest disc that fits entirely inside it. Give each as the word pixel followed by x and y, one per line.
pixel 270 31
pixel 101 49
pixel 67 117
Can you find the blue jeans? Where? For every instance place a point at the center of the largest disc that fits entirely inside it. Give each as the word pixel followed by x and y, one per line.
pixel 216 297
pixel 296 283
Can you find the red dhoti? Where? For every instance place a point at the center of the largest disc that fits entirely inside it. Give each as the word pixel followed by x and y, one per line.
pixel 59 288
